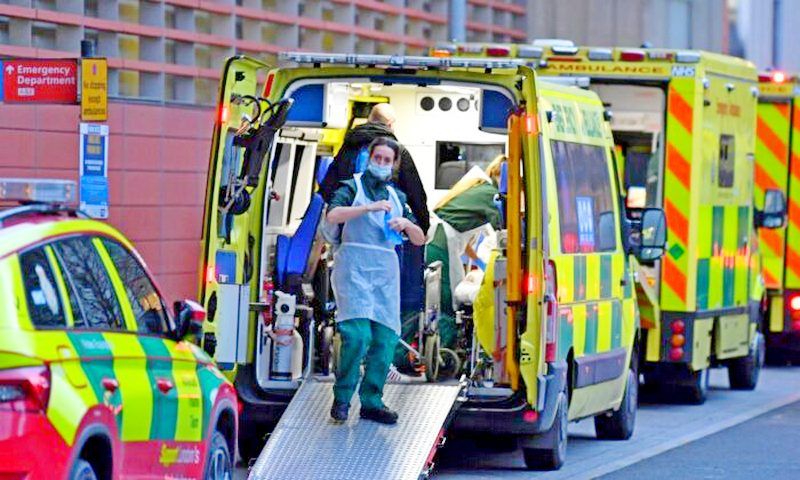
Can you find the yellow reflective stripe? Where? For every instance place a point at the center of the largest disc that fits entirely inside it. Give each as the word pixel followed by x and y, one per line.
pixel 604 326
pixel 68 404
pixel 119 287
pixel 189 424
pixel 592 278
pixel 130 367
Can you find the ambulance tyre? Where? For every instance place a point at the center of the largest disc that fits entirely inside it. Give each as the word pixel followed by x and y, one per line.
pixel 551 457
pixel 619 425
pixel 82 470
pixel 431 357
pixel 743 372
pixel 219 465
pixel 450 365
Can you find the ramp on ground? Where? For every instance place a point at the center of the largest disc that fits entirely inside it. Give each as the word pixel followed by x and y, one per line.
pixel 307 444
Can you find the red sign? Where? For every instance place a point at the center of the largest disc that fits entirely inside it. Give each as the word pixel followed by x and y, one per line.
pixel 43 81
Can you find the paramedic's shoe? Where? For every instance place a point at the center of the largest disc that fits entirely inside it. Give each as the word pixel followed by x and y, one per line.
pixel 380 415
pixel 339 411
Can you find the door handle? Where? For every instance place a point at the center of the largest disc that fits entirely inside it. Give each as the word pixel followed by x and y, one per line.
pixel 110 384
pixel 164 385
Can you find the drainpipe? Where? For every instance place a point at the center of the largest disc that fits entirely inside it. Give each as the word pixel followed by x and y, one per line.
pixel 458 20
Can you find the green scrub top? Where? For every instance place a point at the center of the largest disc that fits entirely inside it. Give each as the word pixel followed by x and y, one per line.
pixel 471 208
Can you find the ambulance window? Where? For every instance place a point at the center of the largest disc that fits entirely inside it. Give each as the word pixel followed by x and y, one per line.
pixel 585 201
pixel 727 159
pixel 44 302
pixel 86 276
pixel 455 159
pixel 148 308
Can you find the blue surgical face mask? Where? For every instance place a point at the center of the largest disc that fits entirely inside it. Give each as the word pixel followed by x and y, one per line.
pixel 381 172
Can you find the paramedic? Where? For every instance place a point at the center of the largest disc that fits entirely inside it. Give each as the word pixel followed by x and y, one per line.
pixel 379 124
pixel 459 217
pixel 366 279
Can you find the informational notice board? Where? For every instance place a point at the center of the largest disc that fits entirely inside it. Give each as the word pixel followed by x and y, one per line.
pixel 94 170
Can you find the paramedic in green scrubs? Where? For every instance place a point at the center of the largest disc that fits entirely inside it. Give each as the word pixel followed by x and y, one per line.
pixel 462 214
pixel 366 279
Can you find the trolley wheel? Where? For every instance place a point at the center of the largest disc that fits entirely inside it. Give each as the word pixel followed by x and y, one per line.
pixel 430 356
pixel 450 364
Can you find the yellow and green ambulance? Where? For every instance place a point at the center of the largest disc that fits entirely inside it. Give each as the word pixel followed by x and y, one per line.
pixel 684 127
pixel 778 169
pixel 95 381
pixel 562 345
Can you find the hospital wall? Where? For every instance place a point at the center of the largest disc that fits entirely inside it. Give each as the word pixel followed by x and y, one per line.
pixel 158 157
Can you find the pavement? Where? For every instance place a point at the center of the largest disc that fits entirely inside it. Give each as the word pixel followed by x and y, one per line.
pixel 670 441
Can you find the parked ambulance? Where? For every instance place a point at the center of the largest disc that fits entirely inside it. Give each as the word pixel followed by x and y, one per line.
pixel 684 128
pixel 564 311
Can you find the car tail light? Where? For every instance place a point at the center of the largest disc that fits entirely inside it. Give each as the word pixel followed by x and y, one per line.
pixel 551 313
pixel 530 416
pixel 25 389
pixel 224 114
pixel 268 84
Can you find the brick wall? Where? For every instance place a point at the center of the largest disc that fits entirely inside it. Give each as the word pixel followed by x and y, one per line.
pixel 158 158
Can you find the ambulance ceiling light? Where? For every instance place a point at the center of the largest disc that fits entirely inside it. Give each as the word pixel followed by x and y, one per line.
pixel 553 42
pixel 687 56
pixel 563 50
pixel 470 48
pixel 524 51
pixel 496 51
pixel 61 192
pixel 778 76
pixel 397 60
pixel 631 56
pixel 600 54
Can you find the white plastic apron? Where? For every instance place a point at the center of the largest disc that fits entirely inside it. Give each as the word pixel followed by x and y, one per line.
pixel 366 271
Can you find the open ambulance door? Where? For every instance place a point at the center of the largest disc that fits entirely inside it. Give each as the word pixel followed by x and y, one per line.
pixel 528 303
pixel 244 132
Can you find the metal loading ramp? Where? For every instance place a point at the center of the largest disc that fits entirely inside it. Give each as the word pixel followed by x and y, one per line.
pixel 307 444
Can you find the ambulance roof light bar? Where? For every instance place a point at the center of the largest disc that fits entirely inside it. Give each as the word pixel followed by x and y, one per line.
pixel 774 76
pixel 398 61
pixel 26 190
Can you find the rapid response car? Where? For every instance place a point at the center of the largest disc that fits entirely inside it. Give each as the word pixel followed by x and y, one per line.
pixel 95 380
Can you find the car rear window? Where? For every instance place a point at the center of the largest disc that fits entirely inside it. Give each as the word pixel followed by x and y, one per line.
pixel 41 291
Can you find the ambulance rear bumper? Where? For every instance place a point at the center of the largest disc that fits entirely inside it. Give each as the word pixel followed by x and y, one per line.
pixel 509 415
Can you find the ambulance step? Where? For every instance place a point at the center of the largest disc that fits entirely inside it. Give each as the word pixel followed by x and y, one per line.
pixel 306 444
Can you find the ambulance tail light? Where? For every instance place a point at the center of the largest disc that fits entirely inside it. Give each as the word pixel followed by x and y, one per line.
pixel 793 303
pixel 551 312
pixel 24 389
pixel 224 114
pixel 677 340
pixel 632 56
pixel 497 51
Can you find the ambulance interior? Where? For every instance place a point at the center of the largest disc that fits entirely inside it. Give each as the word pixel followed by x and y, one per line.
pixel 447 128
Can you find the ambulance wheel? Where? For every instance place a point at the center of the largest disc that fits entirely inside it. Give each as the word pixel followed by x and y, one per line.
pixel 82 470
pixel 550 456
pixel 697 389
pixel 219 465
pixel 743 372
pixel 619 425
pixel 431 358
pixel 450 364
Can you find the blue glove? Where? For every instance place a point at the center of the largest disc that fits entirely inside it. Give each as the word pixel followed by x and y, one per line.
pixel 391 235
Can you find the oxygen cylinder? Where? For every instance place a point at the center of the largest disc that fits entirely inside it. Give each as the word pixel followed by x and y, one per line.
pixel 286 346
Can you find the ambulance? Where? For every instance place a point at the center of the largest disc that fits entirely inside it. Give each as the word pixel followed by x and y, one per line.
pixel 564 319
pixel 684 128
pixel 778 169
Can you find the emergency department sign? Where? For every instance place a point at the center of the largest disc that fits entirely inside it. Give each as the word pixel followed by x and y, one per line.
pixel 94 170
pixel 41 81
pixel 94 89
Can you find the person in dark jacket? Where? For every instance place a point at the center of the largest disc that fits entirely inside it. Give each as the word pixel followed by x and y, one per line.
pixel 379 124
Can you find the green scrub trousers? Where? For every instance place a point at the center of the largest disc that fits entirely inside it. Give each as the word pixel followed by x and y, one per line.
pixel 371 343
